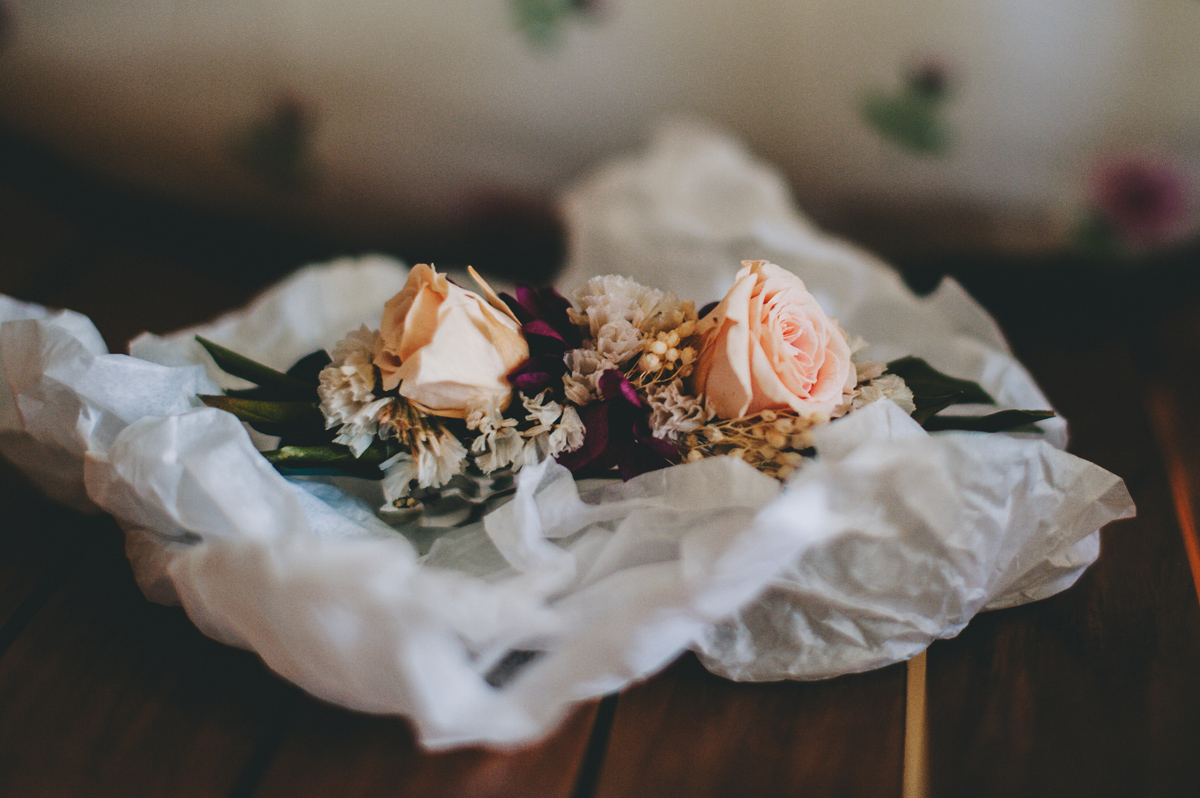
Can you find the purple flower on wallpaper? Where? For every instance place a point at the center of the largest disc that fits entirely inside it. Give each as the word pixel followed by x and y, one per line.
pixel 1145 201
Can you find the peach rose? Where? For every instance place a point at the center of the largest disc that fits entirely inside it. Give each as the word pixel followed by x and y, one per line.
pixel 769 345
pixel 448 349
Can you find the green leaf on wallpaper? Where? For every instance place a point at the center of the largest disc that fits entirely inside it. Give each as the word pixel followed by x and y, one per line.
pixel 912 116
pixel 910 119
pixel 542 20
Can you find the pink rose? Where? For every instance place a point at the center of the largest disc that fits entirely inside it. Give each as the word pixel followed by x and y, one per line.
pixel 448 349
pixel 769 345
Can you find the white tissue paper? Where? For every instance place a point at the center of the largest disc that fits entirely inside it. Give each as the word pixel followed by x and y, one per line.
pixel 488 633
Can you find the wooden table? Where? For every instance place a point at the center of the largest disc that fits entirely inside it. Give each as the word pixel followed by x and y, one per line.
pixel 1095 692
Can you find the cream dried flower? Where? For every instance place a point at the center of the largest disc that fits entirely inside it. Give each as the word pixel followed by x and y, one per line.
pixel 584 367
pixel 440 459
pixel 347 384
pixel 398 475
pixel 499 443
pixel 361 429
pixel 556 429
pixel 568 435
pixel 889 386
pixel 674 413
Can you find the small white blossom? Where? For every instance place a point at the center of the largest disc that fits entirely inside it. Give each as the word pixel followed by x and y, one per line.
pixel 618 341
pixel 568 435
pixel 439 460
pixel 498 443
pixel 499 448
pixel 360 430
pixel 398 474
pixel 540 409
pixel 581 382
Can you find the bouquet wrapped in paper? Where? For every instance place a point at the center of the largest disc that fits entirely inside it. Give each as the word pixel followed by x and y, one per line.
pixel 474 508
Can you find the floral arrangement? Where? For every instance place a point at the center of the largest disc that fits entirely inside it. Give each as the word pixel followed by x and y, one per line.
pixel 459 387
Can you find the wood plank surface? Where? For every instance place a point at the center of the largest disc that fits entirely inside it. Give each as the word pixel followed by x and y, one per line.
pixel 105 694
pixel 686 732
pixel 1095 691
pixel 329 751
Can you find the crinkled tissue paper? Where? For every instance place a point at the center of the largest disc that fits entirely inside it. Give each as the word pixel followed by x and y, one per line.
pixel 487 633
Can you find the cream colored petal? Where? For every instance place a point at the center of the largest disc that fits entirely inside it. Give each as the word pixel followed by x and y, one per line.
pixel 492 297
pixel 420 321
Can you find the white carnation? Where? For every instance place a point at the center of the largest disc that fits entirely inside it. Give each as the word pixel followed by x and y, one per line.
pixel 347 384
pixel 613 298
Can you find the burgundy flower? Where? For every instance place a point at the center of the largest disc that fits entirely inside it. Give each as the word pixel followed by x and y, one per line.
pixel 617 434
pixel 549 332
pixel 1145 201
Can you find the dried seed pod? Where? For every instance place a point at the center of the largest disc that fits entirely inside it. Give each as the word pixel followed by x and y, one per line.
pixel 777 440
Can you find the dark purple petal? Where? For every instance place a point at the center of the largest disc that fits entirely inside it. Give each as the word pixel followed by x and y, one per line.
pixel 709 308
pixel 548 306
pixel 539 372
pixel 543 339
pixel 613 385
pixel 595 439
pixel 531 383
pixel 664 449
pixel 523 315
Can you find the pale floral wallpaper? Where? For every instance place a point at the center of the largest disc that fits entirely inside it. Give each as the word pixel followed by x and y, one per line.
pixel 361 112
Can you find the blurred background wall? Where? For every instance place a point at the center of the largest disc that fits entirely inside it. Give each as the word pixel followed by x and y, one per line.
pixel 358 116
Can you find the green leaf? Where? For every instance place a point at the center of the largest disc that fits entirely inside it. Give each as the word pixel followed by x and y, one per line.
pixel 934 391
pixel 1003 421
pixel 308 368
pixel 299 422
pixel 263 376
pixel 333 458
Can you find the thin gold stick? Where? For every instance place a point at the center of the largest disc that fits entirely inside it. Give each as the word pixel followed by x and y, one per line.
pixel 916 766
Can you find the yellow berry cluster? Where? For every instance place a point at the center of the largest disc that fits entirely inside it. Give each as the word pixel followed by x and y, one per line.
pixel 771 441
pixel 668 354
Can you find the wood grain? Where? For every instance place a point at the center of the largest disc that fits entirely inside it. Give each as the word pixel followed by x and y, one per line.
pixel 1092 692
pixel 686 732
pixel 105 694
pixel 329 751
